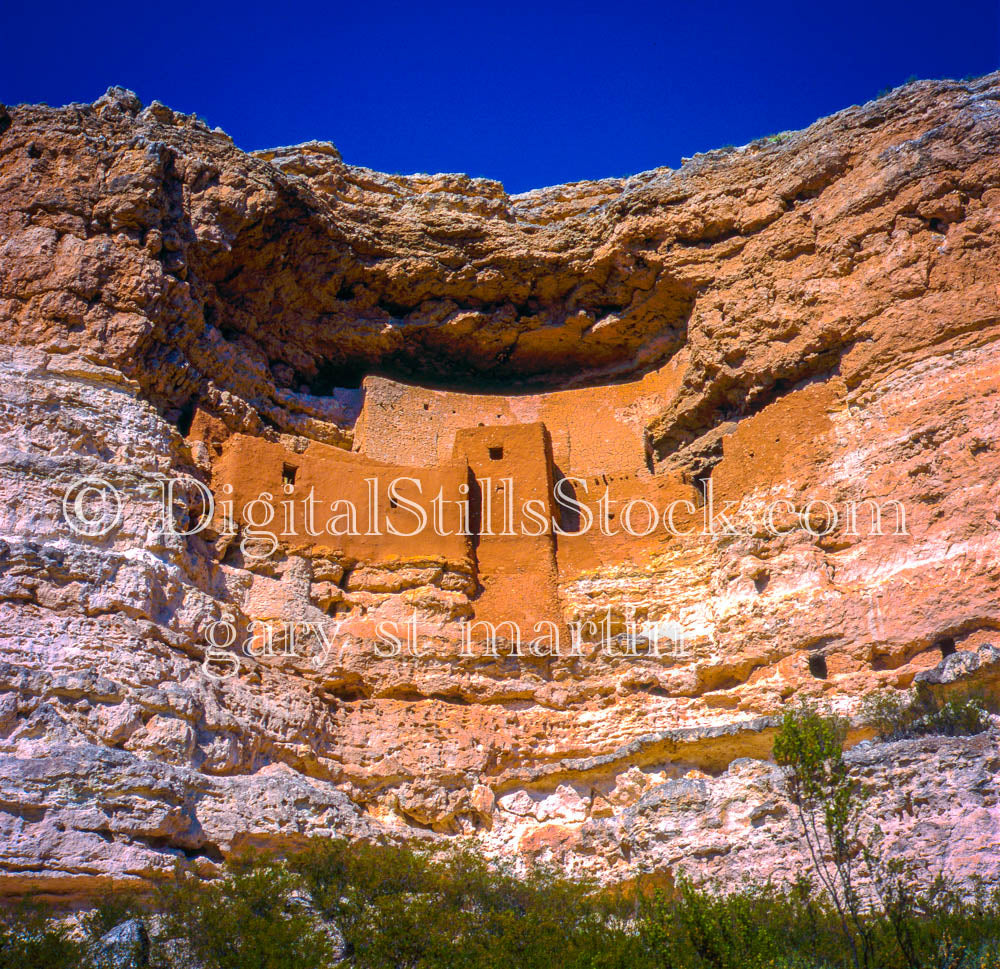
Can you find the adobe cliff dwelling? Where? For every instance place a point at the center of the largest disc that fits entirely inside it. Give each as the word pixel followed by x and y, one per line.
pixel 790 329
pixel 518 481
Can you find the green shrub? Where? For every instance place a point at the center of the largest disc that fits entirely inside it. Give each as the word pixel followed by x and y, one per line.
pixel 406 909
pixel 110 912
pixel 397 908
pixel 886 713
pixel 896 716
pixel 250 919
pixel 31 939
pixel 756 927
pixel 794 927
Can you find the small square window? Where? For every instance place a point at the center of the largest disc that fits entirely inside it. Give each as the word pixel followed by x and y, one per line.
pixel 496 453
pixel 288 474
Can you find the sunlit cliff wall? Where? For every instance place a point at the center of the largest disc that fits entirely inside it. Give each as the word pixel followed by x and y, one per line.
pixel 810 318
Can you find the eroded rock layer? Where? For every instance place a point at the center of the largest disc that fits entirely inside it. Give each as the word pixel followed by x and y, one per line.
pixel 805 325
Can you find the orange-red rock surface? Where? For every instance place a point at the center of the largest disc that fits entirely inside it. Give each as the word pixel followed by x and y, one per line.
pixel 811 318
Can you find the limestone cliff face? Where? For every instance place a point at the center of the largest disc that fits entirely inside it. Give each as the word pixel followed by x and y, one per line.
pixel 811 318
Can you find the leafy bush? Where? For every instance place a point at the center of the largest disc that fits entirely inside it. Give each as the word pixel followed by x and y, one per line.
pixel 752 928
pixel 363 906
pixel 896 716
pixel 31 939
pixel 110 912
pixel 797 928
pixel 250 919
pixel 397 908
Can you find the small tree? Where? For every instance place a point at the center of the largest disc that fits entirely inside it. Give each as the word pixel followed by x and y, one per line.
pixel 829 804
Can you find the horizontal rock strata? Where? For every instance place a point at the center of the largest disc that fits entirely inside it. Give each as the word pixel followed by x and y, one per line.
pixel 812 317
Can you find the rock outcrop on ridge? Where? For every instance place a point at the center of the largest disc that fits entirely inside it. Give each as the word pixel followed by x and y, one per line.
pixel 811 319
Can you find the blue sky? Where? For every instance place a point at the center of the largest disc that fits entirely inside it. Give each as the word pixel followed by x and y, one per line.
pixel 531 94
